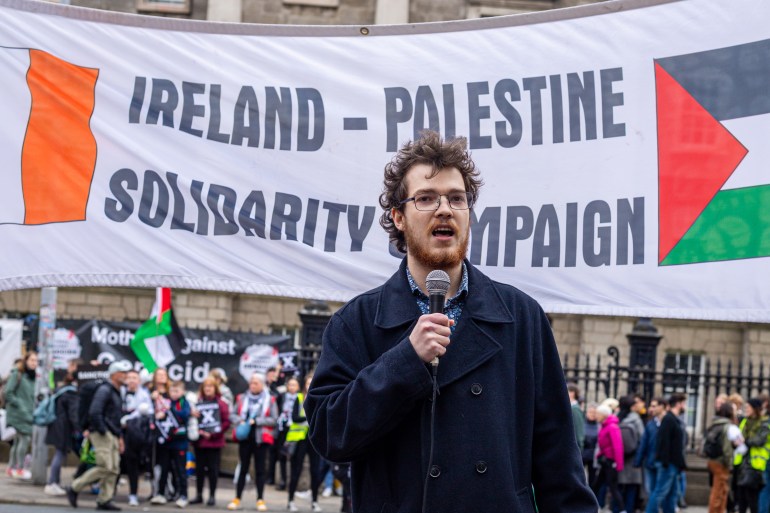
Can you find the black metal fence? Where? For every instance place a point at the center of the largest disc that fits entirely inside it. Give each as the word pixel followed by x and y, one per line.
pixel 697 376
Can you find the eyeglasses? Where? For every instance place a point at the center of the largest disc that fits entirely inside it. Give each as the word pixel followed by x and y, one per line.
pixel 427 201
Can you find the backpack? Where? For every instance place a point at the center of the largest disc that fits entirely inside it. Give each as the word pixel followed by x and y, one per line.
pixel 45 412
pixel 138 434
pixel 630 438
pixel 712 443
pixel 86 392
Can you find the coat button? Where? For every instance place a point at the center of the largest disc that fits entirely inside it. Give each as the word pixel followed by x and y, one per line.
pixel 476 389
pixel 435 471
pixel 481 467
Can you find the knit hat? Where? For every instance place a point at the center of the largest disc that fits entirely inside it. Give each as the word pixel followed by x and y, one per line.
pixel 756 403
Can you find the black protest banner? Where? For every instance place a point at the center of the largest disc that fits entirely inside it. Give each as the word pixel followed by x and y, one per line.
pixel 211 417
pixel 239 354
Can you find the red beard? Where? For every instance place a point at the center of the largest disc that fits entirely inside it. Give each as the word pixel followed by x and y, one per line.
pixel 436 258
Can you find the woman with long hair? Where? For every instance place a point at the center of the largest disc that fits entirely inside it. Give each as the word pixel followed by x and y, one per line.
pixel 297 435
pixel 19 405
pixel 257 408
pixel 212 425
pixel 284 421
pixel 755 433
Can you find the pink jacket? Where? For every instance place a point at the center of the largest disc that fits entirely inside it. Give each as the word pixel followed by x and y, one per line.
pixel 611 442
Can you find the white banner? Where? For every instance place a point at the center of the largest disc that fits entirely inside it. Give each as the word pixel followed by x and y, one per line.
pixel 10 344
pixel 622 146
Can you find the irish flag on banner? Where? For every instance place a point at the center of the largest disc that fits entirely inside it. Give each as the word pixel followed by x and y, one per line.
pixel 157 342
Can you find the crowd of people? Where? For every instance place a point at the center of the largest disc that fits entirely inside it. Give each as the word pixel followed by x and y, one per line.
pixel 147 425
pixel 634 454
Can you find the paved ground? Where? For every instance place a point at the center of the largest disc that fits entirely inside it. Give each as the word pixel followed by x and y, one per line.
pixel 24 497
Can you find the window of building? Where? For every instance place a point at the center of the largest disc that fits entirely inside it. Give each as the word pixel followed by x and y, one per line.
pixel 682 373
pixel 164 6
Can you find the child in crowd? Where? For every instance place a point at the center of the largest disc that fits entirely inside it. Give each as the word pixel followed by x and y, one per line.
pixel 171 424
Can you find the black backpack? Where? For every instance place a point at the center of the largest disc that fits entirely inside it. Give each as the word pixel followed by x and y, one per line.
pixel 712 443
pixel 86 392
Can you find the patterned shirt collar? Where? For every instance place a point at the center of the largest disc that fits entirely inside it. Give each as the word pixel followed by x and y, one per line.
pixel 462 291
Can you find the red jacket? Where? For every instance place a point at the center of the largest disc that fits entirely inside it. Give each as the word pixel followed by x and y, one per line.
pixel 611 442
pixel 217 440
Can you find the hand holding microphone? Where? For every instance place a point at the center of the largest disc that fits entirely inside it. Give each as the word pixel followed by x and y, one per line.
pixel 430 335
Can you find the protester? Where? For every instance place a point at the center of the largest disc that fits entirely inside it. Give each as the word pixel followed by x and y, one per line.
pixel 171 424
pixel 258 409
pixel 135 423
pixel 630 478
pixel 103 427
pixel 371 397
pixel 19 405
pixel 62 433
pixel 578 419
pixel 610 453
pixel 284 421
pixel 225 393
pixel 591 430
pixel 213 422
pixel 721 461
pixel 271 383
pixel 669 458
pixel 751 466
pixel 297 440
pixel 645 454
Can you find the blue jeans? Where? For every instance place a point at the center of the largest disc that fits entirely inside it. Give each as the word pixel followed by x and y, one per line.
pixel 665 493
pixel 764 494
pixel 650 475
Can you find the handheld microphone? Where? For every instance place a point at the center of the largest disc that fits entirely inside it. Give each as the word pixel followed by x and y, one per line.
pixel 437 284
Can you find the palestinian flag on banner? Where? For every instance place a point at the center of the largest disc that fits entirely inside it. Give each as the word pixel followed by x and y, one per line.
pixel 157 342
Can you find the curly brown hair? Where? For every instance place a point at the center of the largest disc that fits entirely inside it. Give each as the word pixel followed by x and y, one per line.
pixel 429 149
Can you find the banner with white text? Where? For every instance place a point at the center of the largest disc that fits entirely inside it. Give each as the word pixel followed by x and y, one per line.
pixel 622 146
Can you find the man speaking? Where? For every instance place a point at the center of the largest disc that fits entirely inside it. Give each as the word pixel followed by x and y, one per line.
pixel 463 410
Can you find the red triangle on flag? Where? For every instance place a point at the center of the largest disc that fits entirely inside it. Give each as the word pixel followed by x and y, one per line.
pixel 696 156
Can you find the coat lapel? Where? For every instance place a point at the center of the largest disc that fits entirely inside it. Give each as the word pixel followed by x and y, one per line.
pixel 472 344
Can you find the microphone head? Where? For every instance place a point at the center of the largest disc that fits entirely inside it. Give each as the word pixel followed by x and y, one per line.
pixel 437 282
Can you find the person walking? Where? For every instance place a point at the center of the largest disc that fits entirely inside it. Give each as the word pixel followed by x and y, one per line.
pixel 632 428
pixel 19 405
pixel 257 409
pixel 590 439
pixel 213 422
pixel 669 458
pixel 751 464
pixel 610 453
pixel 103 427
pixel 297 435
pixel 645 454
pixel 719 450
pixel 62 433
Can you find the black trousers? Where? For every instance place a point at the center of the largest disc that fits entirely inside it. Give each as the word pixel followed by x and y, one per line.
pixel 247 450
pixel 207 464
pixel 277 459
pixel 298 461
pixel 608 475
pixel 174 461
pixel 748 499
pixel 134 460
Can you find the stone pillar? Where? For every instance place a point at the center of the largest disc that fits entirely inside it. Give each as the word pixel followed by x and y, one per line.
pixel 643 342
pixel 391 12
pixel 224 10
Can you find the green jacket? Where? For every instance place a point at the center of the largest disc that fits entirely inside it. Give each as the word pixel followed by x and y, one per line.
pixel 727 446
pixel 20 401
pixel 578 422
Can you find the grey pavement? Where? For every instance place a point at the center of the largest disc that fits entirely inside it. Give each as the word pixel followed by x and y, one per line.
pixel 24 497
pixel 18 496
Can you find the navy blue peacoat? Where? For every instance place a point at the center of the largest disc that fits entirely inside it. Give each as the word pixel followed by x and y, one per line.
pixel 503 426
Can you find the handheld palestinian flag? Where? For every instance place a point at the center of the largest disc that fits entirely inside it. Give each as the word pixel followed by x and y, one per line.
pixel 157 342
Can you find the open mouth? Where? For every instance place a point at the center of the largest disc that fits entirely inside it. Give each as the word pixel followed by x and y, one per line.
pixel 443 232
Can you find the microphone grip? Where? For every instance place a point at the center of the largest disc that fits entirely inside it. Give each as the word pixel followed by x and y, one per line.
pixel 436 306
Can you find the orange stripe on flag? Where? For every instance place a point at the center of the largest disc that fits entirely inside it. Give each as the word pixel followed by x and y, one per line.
pixel 59 153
